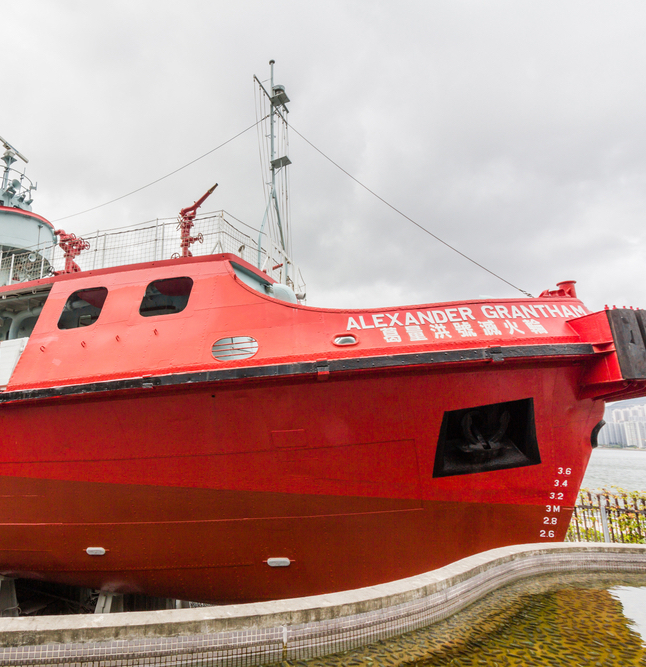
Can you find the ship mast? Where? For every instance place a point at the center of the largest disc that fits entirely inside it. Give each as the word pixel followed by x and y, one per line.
pixel 13 193
pixel 277 163
pixel 26 238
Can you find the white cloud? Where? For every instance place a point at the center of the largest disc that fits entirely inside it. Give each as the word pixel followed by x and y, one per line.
pixel 513 130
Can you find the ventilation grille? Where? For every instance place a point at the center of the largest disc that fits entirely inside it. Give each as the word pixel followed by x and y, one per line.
pixel 237 347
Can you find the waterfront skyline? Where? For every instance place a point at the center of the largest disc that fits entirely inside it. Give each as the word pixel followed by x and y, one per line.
pixel 625 424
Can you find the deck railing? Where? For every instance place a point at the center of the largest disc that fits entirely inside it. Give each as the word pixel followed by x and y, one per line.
pixel 609 516
pixel 151 241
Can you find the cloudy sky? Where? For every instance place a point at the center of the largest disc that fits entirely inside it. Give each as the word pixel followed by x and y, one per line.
pixel 513 130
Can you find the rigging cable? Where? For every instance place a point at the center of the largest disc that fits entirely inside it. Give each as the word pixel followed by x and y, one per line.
pixel 143 187
pixel 381 199
pixel 262 140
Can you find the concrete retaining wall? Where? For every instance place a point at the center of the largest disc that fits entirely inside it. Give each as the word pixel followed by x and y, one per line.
pixel 302 628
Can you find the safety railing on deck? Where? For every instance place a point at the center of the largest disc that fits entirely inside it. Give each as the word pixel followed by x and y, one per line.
pixel 151 241
pixel 609 516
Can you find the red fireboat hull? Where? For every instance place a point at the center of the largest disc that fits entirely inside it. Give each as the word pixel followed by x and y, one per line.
pixel 244 448
pixel 336 476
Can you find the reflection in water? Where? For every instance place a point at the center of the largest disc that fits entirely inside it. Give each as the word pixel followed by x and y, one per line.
pixel 536 623
pixel 633 601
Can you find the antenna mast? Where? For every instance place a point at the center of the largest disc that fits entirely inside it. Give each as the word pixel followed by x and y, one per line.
pixel 14 192
pixel 278 113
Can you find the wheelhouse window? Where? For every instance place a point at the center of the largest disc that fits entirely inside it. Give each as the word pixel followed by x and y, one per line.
pixel 83 308
pixel 166 297
pixel 19 312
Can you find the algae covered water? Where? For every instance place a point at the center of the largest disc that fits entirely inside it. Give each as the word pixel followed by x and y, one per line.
pixel 567 627
pixel 591 621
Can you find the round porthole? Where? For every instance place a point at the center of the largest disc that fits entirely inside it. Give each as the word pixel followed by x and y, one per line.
pixel 234 348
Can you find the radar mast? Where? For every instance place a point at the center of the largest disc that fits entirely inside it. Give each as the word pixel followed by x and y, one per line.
pixel 26 239
pixel 276 188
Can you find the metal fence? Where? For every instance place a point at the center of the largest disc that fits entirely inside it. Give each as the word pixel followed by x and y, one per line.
pixel 151 241
pixel 608 516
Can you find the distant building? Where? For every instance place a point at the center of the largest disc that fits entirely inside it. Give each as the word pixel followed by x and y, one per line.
pixel 625 426
pixel 636 434
pixel 637 413
pixel 617 416
pixel 613 434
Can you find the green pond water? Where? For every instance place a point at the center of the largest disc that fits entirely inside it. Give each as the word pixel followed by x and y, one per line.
pixel 574 621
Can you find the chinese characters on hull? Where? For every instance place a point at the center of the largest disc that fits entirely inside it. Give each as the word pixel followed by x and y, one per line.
pixel 461 322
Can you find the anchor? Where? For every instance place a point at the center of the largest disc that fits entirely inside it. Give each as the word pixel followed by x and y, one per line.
pixel 478 446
